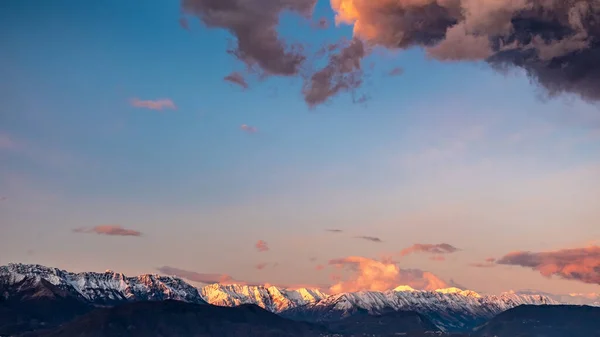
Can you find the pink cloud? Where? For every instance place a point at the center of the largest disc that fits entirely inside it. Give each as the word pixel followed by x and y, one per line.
pixel 580 264
pixel 441 248
pixel 319 267
pixel 438 258
pixel 375 275
pixel 112 230
pixel 248 128
pixel 237 79
pixel 261 266
pixel 488 263
pixel 160 104
pixel 261 246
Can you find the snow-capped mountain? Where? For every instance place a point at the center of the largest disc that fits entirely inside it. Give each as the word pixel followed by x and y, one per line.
pixel 106 288
pixel 450 309
pixel 591 299
pixel 271 298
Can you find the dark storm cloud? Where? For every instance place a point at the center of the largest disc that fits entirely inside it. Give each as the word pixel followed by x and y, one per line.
pixel 253 23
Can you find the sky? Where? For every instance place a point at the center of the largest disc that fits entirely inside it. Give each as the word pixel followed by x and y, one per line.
pixel 131 140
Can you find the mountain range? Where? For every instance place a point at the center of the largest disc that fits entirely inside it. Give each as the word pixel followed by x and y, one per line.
pixel 27 290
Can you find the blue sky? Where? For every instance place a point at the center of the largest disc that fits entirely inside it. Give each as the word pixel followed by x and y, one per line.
pixel 446 152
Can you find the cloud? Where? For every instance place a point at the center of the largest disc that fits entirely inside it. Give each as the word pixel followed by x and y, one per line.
pixel 160 104
pixel 6 142
pixel 397 71
pixel 261 266
pixel 343 73
pixel 261 246
pixel 370 238
pixel 376 275
pixel 312 259
pixel 334 230
pixel 438 258
pixel 580 264
pixel 254 23
pixel 441 248
pixel 556 42
pixel 488 263
pixel 319 267
pixel 112 230
pixel 184 23
pixel 322 23
pixel 198 277
pixel 248 128
pixel 237 78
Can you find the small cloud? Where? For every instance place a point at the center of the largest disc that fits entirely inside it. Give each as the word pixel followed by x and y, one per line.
pixel 237 78
pixel 438 258
pixel 261 246
pixel 312 259
pixel 322 23
pixel 184 23
pixel 248 128
pixel 160 104
pixel 334 230
pixel 6 142
pixel 261 266
pixel 441 248
pixel 112 230
pixel 369 238
pixel 319 267
pixel 580 264
pixel 397 71
pixel 487 263
pixel 198 277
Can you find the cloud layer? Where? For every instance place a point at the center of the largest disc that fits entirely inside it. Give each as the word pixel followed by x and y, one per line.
pixel 113 230
pixel 581 264
pixel 375 275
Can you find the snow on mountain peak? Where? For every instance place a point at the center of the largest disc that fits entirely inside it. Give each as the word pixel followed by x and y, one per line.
pixel 404 288
pixel 454 290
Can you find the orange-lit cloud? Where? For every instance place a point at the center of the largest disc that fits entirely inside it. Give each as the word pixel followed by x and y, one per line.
pixel 581 264
pixel 248 128
pixel 113 230
pixel 198 277
pixel 319 267
pixel 370 274
pixel 261 246
pixel 441 248
pixel 238 79
pixel 160 104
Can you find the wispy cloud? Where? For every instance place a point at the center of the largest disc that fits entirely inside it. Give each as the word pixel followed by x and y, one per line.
pixel 238 79
pixel 440 248
pixel 438 258
pixel 377 275
pixel 319 267
pixel 487 263
pixel 184 23
pixel 248 128
pixel 369 238
pixel 198 277
pixel 7 142
pixel 397 71
pixel 261 246
pixel 113 230
pixel 160 104
pixel 334 230
pixel 581 264
pixel 261 266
